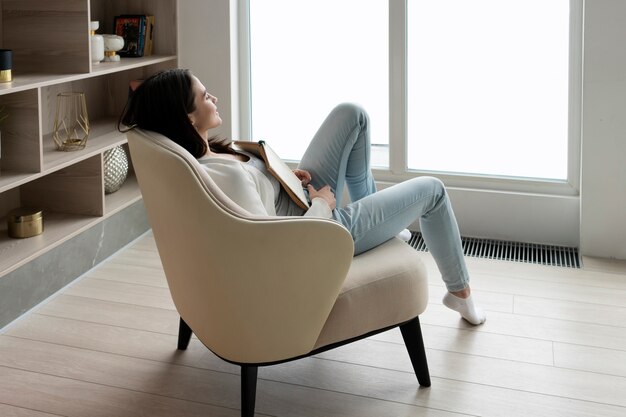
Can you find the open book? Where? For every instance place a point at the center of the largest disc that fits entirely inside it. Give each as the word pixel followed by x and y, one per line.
pixel 278 169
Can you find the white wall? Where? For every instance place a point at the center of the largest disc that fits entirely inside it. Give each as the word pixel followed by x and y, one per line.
pixel 205 45
pixel 595 220
pixel 603 173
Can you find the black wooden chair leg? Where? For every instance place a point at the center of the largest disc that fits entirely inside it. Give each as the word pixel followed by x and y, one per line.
pixel 248 389
pixel 184 335
pixel 412 335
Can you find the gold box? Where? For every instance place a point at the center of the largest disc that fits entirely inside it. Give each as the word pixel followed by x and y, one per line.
pixel 25 222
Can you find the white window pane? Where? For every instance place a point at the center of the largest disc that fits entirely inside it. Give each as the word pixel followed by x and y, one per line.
pixel 307 57
pixel 488 86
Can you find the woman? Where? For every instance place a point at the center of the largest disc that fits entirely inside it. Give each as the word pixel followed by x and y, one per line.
pixel 177 105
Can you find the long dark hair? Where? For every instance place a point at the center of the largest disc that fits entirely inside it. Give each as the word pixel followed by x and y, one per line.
pixel 162 103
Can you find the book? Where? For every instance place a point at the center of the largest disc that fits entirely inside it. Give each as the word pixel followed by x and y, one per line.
pixel 133 29
pixel 149 42
pixel 278 168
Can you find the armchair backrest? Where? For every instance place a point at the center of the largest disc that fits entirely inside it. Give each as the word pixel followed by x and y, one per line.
pixel 253 289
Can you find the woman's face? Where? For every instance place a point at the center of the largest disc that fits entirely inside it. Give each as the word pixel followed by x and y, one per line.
pixel 205 116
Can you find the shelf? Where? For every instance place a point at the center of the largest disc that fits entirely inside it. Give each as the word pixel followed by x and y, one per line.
pixel 23 82
pixel 104 135
pixel 129 63
pixel 10 179
pixel 58 228
pixel 124 197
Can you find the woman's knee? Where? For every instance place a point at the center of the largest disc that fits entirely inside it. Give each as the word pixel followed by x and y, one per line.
pixel 437 184
pixel 434 185
pixel 351 111
pixel 431 189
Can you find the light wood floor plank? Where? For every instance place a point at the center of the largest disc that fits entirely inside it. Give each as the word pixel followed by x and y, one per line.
pixel 11 411
pixel 102 338
pixel 112 313
pixel 72 398
pixel 604 265
pixel 122 292
pixel 591 359
pixel 145 242
pixel 148 259
pixel 556 291
pixel 532 327
pixel 147 376
pixel 571 311
pixel 497 346
pixel 129 273
pixel 540 379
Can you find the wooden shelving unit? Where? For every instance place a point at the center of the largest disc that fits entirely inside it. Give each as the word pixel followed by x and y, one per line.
pixel 51 46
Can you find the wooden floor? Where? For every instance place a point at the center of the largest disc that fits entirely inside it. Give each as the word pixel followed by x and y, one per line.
pixel 554 344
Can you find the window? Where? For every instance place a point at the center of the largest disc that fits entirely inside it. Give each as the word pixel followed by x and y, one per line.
pixel 487 81
pixel 309 55
pixel 488 87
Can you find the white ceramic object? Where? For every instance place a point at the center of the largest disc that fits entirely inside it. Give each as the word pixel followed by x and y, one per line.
pixel 112 44
pixel 97 43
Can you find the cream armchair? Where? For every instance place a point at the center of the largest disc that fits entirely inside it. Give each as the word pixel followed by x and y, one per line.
pixel 258 290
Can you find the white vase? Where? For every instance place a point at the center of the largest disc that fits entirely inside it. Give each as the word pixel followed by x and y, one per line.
pixel 97 44
pixel 112 44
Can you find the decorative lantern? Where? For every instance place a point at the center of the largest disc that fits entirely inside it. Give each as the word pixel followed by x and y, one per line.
pixel 71 123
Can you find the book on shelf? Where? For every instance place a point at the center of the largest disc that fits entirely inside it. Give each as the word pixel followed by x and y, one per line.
pixel 138 33
pixel 148 45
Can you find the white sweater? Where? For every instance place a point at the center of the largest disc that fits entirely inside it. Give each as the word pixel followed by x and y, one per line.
pixel 251 189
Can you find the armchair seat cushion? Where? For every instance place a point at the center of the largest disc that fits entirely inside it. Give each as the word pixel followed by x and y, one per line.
pixel 385 286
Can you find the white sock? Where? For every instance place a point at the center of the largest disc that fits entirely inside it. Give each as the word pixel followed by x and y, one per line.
pixel 466 307
pixel 404 235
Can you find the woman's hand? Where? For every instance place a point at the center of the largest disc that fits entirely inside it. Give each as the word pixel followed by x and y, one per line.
pixel 324 193
pixel 303 176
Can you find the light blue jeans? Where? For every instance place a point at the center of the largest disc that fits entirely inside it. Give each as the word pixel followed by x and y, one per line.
pixel 340 154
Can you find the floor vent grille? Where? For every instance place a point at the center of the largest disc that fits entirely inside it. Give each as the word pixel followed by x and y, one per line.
pixel 511 251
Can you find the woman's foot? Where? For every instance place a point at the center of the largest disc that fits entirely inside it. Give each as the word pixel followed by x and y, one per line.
pixel 465 306
pixel 404 235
